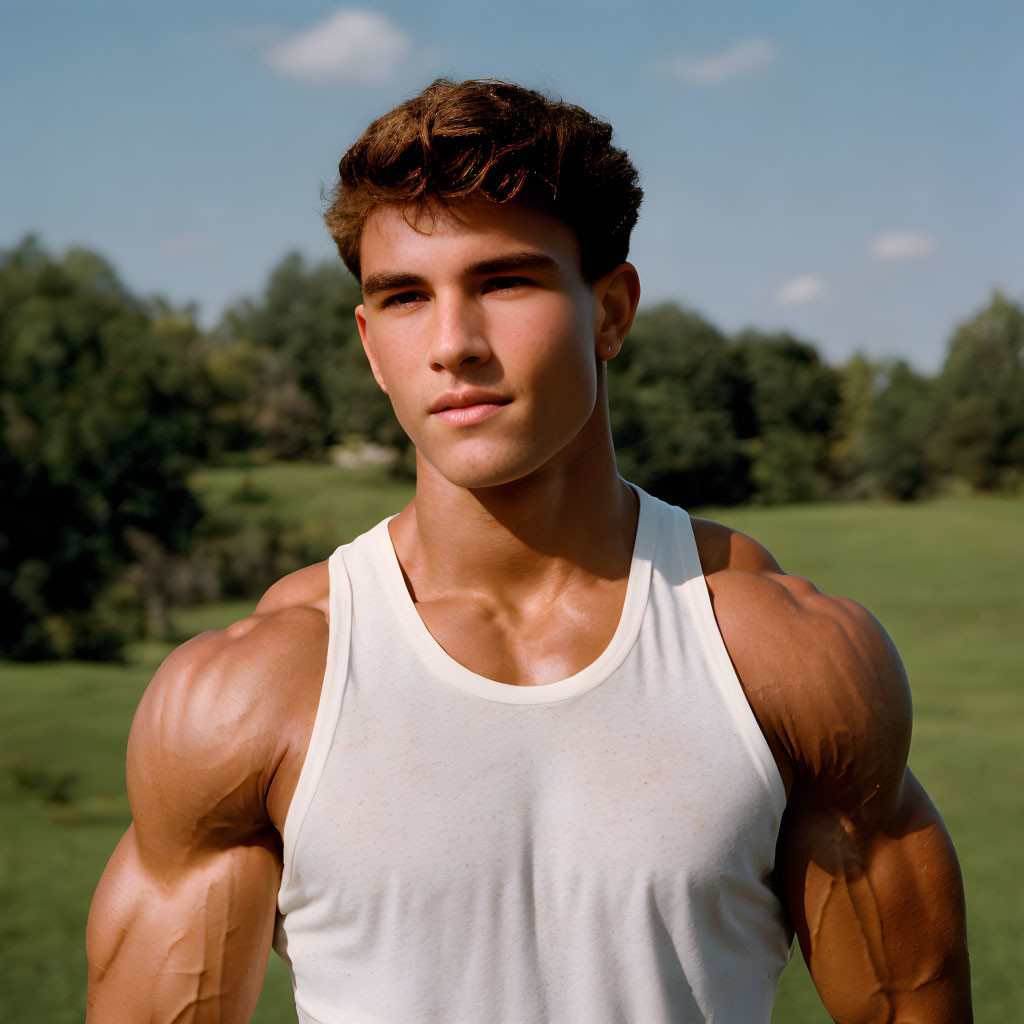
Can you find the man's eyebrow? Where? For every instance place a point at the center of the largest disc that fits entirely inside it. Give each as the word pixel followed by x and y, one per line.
pixel 528 260
pixel 385 281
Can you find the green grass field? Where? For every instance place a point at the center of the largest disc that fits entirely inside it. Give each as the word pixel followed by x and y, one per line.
pixel 946 578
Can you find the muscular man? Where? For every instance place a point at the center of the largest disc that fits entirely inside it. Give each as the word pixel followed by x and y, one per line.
pixel 540 747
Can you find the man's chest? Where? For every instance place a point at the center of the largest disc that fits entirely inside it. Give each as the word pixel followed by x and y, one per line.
pixel 542 640
pixel 440 802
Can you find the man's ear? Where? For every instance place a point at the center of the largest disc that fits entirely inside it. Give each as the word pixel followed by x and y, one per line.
pixel 361 324
pixel 616 297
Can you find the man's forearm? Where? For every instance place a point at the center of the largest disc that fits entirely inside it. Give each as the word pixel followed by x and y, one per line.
pixel 192 946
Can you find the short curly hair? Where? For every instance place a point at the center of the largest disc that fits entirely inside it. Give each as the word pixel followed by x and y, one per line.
pixel 496 141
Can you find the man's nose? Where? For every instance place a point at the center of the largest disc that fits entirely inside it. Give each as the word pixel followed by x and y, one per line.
pixel 459 338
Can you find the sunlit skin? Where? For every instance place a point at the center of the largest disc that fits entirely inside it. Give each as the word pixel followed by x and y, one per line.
pixel 516 549
pixel 505 314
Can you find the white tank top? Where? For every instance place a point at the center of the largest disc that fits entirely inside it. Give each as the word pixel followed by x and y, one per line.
pixel 594 850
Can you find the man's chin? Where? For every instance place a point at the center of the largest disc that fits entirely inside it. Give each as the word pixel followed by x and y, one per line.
pixel 473 474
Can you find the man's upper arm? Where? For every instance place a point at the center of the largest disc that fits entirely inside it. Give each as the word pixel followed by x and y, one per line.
pixel 865 864
pixel 181 923
pixel 869 873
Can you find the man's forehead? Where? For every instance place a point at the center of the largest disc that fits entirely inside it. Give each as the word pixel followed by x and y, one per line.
pixel 467 232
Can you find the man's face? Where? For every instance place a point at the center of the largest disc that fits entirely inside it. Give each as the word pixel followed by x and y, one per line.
pixel 482 331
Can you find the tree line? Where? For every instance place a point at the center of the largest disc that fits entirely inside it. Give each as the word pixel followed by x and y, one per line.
pixel 108 400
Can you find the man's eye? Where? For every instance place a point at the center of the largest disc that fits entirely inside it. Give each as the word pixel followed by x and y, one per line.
pixel 499 284
pixel 401 299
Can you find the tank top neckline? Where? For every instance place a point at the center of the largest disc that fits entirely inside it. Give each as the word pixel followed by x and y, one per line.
pixel 453 672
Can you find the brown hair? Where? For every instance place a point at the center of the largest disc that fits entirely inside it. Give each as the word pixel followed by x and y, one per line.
pixel 495 141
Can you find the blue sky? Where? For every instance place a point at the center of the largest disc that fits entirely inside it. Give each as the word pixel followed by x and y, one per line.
pixel 849 171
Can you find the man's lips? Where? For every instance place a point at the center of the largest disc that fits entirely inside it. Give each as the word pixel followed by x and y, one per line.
pixel 464 399
pixel 464 408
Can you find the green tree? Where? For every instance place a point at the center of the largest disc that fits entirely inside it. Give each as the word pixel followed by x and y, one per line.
pixel 857 381
pixel 886 419
pixel 312 385
pixel 980 395
pixel 786 412
pixel 96 435
pixel 671 392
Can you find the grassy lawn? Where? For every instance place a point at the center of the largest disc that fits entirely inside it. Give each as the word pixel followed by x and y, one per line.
pixel 348 501
pixel 945 578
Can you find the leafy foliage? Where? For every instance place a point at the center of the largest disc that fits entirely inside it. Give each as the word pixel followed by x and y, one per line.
pixel 107 401
pixel 311 387
pixel 672 393
pixel 888 418
pixel 980 432
pixel 787 414
pixel 97 433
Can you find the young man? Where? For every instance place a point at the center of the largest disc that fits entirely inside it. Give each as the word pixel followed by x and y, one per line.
pixel 540 747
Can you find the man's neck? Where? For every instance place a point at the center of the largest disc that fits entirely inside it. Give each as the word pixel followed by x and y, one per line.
pixel 556 527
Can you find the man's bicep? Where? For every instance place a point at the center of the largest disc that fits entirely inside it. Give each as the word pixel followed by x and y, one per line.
pixel 186 941
pixel 877 902
pixel 182 920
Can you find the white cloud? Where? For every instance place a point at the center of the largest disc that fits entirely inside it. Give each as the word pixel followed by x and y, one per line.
pixel 360 46
pixel 902 245
pixel 743 58
pixel 805 288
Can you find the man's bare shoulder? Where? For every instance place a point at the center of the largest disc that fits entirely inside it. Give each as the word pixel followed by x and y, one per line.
pixel 821 674
pixel 227 712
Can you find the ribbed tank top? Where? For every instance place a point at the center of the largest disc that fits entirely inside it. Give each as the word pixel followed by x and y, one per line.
pixel 595 850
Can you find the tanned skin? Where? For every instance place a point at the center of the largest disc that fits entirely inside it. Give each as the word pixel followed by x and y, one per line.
pixel 516 550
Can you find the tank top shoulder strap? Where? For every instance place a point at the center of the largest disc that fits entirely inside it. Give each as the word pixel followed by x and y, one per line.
pixel 678 562
pixel 328 712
